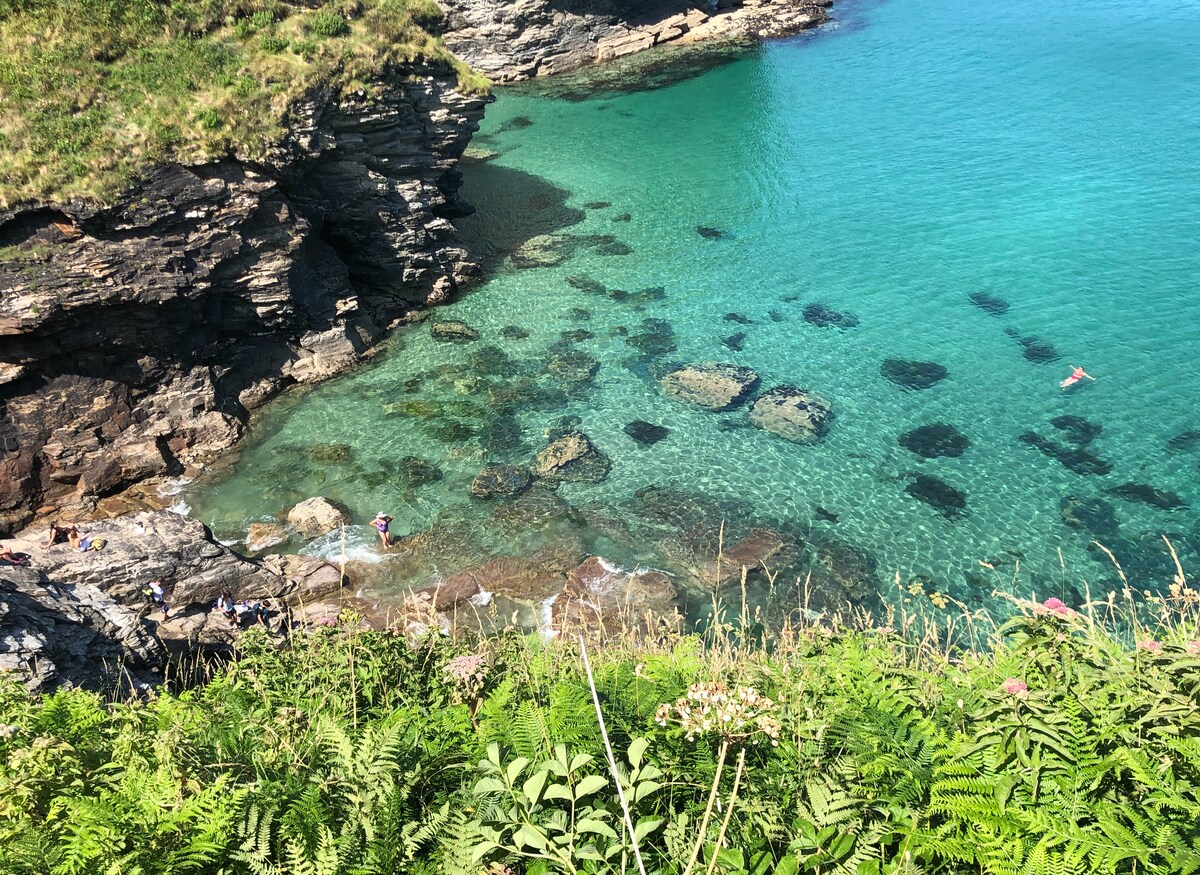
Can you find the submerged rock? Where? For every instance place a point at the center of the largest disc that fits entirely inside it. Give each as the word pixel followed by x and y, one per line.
pixel 597 205
pixel 989 303
pixel 935 440
pixel 328 454
pixel 624 217
pixel 656 338
pixel 314 517
pixel 1037 350
pixel 1076 459
pixel 501 436
pixel 1148 495
pixel 738 318
pixel 842 575
pixel 938 494
pixel 418 472
pixel 516 123
pixel 585 283
pixel 646 433
pixel 544 250
pixel 513 332
pixel 1185 441
pixel 824 317
pixel 500 481
pixel 580 314
pixel 571 458
pixel 453 331
pixel 711 385
pixel 1076 429
pixel 576 335
pixel 711 233
pixel 735 341
pixel 491 361
pixel 822 513
pixel 791 413
pixel 573 367
pixel 1093 515
pixel 912 374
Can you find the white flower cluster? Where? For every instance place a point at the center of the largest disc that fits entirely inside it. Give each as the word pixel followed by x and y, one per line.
pixel 467 673
pixel 740 714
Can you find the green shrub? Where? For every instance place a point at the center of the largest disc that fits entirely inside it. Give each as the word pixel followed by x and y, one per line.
pixel 327 24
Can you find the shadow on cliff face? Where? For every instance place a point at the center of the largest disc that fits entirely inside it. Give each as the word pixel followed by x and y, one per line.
pixel 511 207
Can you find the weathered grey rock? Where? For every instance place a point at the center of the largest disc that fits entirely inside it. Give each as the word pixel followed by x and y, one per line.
pixel 791 413
pixel 602 598
pixel 572 458
pixel 261 536
pixel 499 481
pixel 53 632
pixel 518 39
pixel 452 331
pixel 711 385
pixel 137 335
pixel 176 549
pixel 317 516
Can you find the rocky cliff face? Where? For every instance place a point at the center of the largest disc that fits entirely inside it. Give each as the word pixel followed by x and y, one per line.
pixel 510 40
pixel 135 338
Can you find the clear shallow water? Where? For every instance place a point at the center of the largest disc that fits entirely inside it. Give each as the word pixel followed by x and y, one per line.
pixel 888 166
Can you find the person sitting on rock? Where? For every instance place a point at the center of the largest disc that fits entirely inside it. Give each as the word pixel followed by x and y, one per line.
pixel 228 607
pixel 78 540
pixel 58 534
pixel 380 523
pixel 256 611
pixel 7 554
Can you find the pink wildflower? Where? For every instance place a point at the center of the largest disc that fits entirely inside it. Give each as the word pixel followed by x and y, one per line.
pixel 1152 646
pixel 1192 647
pixel 1015 687
pixel 1055 607
pixel 326 621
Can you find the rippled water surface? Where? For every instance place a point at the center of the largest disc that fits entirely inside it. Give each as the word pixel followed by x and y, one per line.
pixel 886 167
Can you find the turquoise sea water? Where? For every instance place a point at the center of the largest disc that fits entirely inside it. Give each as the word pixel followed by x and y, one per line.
pixel 887 166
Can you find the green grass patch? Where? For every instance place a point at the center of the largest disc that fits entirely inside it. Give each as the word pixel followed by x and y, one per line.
pixel 93 91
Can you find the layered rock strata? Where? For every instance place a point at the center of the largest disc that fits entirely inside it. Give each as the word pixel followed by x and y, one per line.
pixel 135 337
pixel 511 40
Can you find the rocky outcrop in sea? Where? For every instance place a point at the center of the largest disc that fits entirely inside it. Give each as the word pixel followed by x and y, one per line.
pixel 511 40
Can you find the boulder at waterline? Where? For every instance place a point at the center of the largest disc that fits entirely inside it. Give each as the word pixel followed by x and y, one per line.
pixel 571 458
pixel 601 597
pixel 1147 495
pixel 711 385
pixel 912 374
pixel 646 433
pixel 791 413
pixel 1092 515
pixel 261 535
pixel 935 440
pixel 452 331
pixel 314 517
pixel 938 494
pixel 824 317
pixel 500 481
pixel 989 303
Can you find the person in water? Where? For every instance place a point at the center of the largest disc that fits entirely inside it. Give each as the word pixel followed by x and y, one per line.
pixel 380 523
pixel 1077 374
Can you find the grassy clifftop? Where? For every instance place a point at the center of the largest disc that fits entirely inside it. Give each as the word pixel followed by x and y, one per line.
pixel 93 90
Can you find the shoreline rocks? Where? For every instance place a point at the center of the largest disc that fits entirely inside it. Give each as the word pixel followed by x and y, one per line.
pixel 571 458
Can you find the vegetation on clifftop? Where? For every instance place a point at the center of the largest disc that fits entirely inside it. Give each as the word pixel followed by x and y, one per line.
pixel 91 91
pixel 1064 746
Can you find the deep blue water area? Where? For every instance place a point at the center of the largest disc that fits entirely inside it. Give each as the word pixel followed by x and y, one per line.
pixel 1004 190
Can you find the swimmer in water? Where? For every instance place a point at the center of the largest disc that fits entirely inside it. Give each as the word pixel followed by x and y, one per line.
pixel 1076 375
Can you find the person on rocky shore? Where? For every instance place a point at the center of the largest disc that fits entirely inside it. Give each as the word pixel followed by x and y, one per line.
pixel 381 523
pixel 58 534
pixel 228 607
pixel 7 554
pixel 156 596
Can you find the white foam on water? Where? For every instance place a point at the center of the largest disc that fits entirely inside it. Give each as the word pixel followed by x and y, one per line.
pixel 361 546
pixel 481 598
pixel 180 507
pixel 546 618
